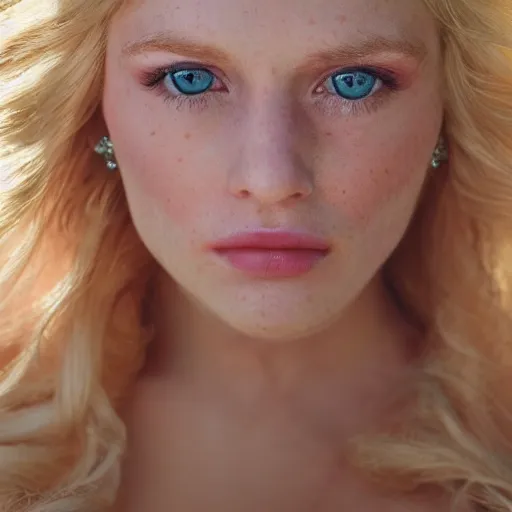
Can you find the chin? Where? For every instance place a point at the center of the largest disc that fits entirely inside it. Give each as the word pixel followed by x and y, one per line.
pixel 279 324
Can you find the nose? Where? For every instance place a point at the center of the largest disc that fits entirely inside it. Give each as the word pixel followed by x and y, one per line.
pixel 269 168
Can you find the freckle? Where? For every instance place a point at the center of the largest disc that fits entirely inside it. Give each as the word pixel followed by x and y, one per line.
pixel 341 18
pixel 328 134
pixel 312 21
pixel 344 192
pixel 152 134
pixel 386 171
pixel 187 135
pixel 180 159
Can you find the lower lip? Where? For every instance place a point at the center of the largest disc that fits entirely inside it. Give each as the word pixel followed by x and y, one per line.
pixel 273 263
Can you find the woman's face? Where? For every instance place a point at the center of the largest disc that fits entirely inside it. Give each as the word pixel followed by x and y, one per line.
pixel 280 120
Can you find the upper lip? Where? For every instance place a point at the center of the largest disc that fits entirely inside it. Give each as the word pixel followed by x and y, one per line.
pixel 275 239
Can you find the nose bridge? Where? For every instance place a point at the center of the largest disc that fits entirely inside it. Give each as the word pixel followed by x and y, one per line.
pixel 269 169
pixel 269 127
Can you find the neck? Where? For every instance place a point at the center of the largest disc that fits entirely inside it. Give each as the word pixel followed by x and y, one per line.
pixel 368 345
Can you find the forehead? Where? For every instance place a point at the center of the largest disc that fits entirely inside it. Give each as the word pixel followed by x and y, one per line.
pixel 278 25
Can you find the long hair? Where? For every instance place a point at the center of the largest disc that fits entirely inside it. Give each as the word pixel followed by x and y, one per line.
pixel 75 275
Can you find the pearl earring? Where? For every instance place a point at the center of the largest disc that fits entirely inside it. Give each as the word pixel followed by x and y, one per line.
pixel 440 154
pixel 105 148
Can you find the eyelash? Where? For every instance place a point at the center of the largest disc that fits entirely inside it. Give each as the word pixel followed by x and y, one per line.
pixel 154 79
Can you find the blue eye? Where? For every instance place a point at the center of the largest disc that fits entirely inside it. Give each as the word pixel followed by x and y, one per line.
pixel 191 81
pixel 352 85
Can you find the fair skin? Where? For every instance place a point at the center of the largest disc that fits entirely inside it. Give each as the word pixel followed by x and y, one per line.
pixel 255 384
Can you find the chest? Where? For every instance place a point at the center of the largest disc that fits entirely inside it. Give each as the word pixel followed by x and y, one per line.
pixel 199 460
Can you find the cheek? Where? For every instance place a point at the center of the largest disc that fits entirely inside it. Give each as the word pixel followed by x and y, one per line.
pixel 371 173
pixel 158 177
pixel 163 171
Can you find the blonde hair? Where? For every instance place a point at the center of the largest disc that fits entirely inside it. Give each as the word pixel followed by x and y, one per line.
pixel 75 274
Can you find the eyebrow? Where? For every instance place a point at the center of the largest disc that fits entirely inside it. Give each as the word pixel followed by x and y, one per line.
pixel 165 42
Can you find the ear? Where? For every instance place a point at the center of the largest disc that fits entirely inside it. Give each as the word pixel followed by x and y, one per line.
pixel 96 127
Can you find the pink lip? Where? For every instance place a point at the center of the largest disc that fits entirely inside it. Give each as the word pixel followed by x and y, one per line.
pixel 272 254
